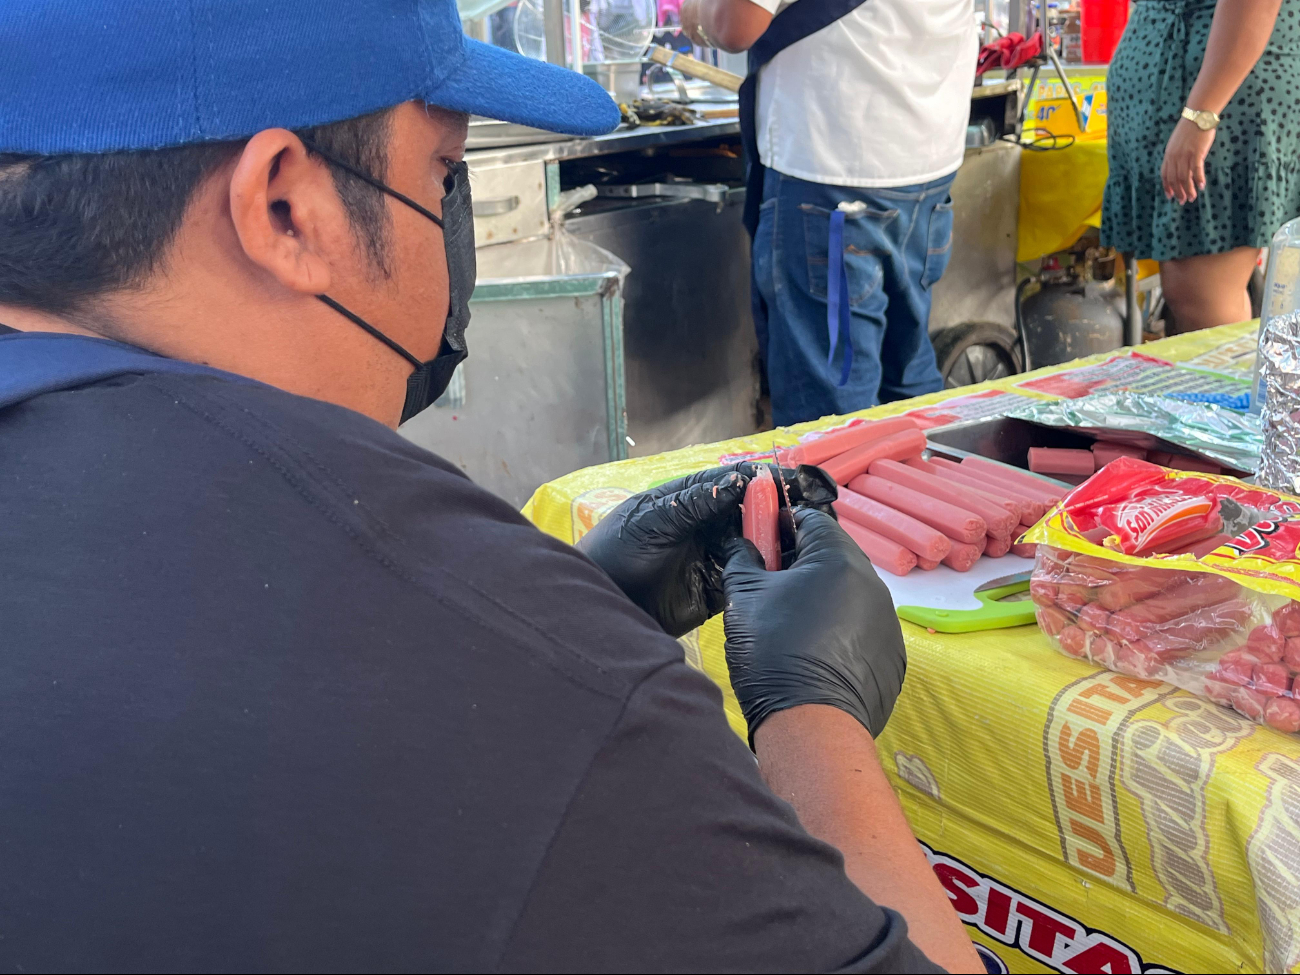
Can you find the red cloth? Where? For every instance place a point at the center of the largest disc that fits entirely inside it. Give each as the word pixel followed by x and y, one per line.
pixel 1009 52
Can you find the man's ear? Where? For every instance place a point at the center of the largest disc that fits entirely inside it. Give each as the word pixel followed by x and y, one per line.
pixel 287 214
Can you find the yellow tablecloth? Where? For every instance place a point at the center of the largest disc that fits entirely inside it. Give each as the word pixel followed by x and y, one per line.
pixel 1060 196
pixel 1082 820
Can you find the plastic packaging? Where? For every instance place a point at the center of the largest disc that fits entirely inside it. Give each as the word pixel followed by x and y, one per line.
pixel 1178 576
pixel 1281 296
pixel 1203 633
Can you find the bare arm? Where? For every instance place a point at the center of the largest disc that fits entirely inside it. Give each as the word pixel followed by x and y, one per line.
pixel 1238 35
pixel 731 25
pixel 824 763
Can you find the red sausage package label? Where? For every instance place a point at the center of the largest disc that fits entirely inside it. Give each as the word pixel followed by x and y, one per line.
pixel 1142 523
pixel 1179 576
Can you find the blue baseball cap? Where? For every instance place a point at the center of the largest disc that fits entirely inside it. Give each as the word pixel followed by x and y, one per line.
pixel 105 75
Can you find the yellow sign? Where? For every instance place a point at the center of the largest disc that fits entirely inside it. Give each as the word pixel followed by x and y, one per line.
pixel 1057 116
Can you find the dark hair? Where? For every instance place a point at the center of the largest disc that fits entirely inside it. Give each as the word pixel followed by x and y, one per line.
pixel 76 227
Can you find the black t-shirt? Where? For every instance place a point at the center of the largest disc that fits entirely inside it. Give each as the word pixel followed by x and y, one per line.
pixel 281 691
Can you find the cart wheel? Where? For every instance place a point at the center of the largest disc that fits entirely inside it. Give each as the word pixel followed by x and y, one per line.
pixel 974 352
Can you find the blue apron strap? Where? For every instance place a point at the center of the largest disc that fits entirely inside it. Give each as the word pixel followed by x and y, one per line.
pixel 791 25
pixel 33 363
pixel 837 297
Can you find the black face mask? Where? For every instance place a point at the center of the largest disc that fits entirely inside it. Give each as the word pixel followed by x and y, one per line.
pixel 430 379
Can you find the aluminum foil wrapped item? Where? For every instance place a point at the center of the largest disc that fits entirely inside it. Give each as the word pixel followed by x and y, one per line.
pixel 1224 436
pixel 1279 382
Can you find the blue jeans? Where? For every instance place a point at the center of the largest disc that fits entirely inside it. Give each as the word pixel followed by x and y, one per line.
pixel 893 254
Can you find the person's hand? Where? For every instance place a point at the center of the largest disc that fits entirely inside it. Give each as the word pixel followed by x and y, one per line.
pixel 665 548
pixel 690 16
pixel 820 632
pixel 1183 169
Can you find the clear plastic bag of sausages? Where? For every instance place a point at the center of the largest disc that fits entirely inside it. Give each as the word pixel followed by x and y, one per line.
pixel 1179 576
pixel 1203 632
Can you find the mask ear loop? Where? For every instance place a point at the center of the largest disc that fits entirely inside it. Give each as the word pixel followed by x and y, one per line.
pixel 374 332
pixel 367 178
pixel 384 188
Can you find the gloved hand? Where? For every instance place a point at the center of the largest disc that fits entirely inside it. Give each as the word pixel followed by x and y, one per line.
pixel 665 548
pixel 820 632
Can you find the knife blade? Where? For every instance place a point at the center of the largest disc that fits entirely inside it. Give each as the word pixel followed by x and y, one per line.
pixel 1001 582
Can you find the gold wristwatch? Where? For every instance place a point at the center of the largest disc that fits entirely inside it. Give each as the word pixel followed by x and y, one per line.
pixel 1203 120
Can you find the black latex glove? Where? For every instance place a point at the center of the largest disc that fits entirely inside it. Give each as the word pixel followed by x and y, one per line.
pixel 665 548
pixel 820 632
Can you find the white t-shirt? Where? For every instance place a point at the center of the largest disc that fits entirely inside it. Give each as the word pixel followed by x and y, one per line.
pixel 881 97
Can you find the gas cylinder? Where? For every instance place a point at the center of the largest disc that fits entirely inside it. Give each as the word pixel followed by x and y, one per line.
pixel 1068 319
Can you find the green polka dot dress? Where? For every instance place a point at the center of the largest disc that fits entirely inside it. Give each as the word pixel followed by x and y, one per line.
pixel 1252 171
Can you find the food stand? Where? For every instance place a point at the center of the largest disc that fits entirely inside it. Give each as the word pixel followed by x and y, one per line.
pixel 1081 820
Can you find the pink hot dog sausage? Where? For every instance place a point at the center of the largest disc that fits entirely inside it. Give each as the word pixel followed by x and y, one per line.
pixel 1056 460
pixel 759 518
pixel 1132 585
pixel 1013 506
pixel 914 535
pixel 997 518
pixel 962 556
pixel 1198 630
pixel 957 523
pixel 1019 490
pixel 1073 641
pixel 1287 619
pixel 1014 476
pixel 1032 508
pixel 1051 620
pixel 897 446
pixel 1141 618
pixel 833 444
pixel 1093 618
pixel 1105 451
pixel 1282 713
pixel 997 546
pixel 883 553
